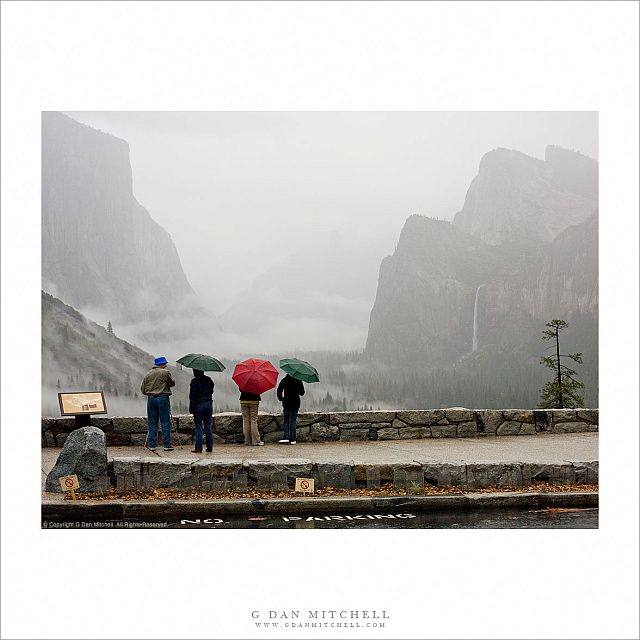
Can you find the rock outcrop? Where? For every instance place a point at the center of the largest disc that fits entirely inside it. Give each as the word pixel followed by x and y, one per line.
pixel 101 250
pixel 517 197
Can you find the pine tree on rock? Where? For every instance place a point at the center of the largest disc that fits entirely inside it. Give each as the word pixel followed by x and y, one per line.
pixel 562 391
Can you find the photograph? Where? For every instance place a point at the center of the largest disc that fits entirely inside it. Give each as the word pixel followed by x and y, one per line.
pixel 320 320
pixel 410 299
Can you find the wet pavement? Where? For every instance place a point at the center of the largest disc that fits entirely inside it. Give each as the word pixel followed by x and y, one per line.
pixel 546 518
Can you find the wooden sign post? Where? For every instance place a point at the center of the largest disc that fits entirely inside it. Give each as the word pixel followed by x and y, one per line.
pixel 70 483
pixel 304 485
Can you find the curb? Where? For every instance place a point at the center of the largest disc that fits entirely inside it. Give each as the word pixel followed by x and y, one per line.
pixel 122 510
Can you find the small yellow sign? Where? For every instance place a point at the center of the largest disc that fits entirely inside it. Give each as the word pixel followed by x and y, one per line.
pixel 69 483
pixel 305 485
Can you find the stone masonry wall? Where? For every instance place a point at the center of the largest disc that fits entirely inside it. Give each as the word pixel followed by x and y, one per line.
pixel 347 426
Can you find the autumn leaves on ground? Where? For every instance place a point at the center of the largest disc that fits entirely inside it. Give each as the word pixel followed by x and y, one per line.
pixel 386 490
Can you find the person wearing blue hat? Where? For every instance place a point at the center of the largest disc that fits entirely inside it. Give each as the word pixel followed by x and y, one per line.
pixel 157 387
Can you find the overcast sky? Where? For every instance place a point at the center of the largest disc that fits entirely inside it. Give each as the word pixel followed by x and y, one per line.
pixel 239 191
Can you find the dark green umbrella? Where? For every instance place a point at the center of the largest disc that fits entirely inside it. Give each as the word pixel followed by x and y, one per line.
pixel 201 361
pixel 299 369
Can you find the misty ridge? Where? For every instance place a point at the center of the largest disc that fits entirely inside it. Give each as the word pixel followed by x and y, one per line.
pixel 452 317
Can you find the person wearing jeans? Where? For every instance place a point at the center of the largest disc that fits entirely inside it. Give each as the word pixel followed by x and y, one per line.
pixel 290 418
pixel 289 391
pixel 157 387
pixel 201 406
pixel 158 407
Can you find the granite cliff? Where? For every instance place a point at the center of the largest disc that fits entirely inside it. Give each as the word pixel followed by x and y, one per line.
pixel 101 250
pixel 517 197
pixel 524 250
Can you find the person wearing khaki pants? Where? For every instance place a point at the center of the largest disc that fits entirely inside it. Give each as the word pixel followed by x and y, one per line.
pixel 249 405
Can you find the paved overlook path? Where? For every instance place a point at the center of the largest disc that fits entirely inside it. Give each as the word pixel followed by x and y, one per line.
pixel 542 448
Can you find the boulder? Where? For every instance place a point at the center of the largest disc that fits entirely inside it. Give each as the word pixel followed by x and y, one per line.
pixel 303 434
pixel 321 431
pixel 106 424
pixel 264 420
pixel 119 439
pixel 518 415
pixel 467 429
pixel 354 434
pixel 138 439
pixel 443 431
pixel 458 415
pixel 388 433
pixel 444 474
pixel 61 424
pixel 563 415
pixel 527 429
pixel 571 427
pixel 502 475
pixel 416 418
pixel 130 425
pixel 85 455
pixel 272 436
pixel 361 416
pixel 271 427
pixel 331 474
pixel 61 438
pixel 293 467
pixel 163 472
pixel 414 433
pixel 204 469
pixel 488 421
pixel 508 428
pixel 306 419
pixel 185 422
pixel 227 423
pixel 588 415
pixel 354 425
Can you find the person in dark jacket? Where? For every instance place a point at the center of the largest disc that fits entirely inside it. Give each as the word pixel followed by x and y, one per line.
pixel 289 391
pixel 249 405
pixel 201 406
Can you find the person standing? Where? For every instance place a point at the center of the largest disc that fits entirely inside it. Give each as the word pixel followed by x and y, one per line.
pixel 201 406
pixel 157 387
pixel 289 391
pixel 249 405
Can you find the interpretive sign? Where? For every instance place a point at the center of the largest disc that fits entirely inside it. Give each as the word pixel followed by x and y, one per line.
pixel 82 403
pixel 305 485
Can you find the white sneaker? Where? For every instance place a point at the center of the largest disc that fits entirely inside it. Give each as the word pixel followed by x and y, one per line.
pixel 292 442
pixel 259 444
pixel 284 441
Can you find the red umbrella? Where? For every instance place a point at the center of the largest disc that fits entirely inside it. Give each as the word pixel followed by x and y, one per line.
pixel 255 376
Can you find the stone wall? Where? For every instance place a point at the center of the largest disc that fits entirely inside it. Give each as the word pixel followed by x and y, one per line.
pixel 144 472
pixel 347 426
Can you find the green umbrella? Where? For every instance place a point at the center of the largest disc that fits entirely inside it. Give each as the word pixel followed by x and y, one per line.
pixel 299 369
pixel 201 361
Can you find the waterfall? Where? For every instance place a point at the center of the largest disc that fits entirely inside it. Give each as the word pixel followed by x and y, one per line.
pixel 475 319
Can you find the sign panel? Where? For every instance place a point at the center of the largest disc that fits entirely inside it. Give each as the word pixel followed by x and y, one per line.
pixel 69 483
pixel 304 485
pixel 82 403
